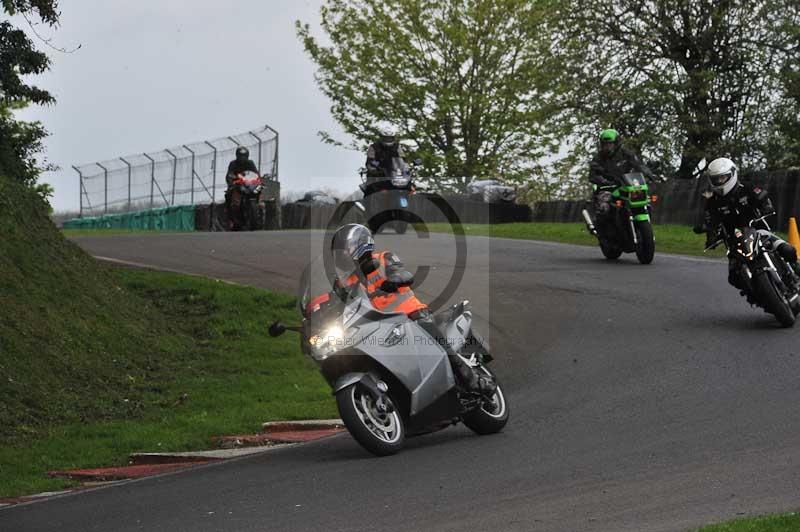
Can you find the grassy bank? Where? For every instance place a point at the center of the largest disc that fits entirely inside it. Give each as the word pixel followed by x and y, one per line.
pixel 96 363
pixel 217 372
pixel 775 523
pixel 669 238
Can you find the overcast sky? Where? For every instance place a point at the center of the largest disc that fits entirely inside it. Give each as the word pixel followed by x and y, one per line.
pixel 152 74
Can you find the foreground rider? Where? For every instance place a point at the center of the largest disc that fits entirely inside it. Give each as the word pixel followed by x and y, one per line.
pixel 733 205
pixel 611 162
pixel 240 165
pixel 381 153
pixel 388 285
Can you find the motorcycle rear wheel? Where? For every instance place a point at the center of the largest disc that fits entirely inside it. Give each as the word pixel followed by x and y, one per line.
pixel 382 434
pixel 775 303
pixel 489 417
pixel 610 251
pixel 400 227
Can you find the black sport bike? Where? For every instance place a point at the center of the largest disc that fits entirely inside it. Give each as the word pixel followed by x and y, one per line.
pixel 771 282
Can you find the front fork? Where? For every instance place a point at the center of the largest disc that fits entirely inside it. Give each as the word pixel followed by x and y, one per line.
pixel 633 231
pixel 589 224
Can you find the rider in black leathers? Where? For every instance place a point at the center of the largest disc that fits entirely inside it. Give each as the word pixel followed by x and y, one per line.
pixel 381 153
pixel 732 204
pixel 611 162
pixel 233 197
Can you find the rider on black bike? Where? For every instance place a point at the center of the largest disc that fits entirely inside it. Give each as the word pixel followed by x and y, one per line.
pixel 731 205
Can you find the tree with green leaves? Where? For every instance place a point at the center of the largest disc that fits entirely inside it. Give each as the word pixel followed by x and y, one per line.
pixel 462 81
pixel 20 142
pixel 682 79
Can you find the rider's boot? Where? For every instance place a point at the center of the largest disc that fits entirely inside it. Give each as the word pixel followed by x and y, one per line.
pixel 749 297
pixel 471 380
pixel 789 254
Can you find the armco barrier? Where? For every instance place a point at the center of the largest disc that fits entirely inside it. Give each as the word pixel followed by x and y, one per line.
pixel 681 201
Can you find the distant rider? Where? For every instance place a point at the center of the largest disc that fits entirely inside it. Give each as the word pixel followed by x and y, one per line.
pixel 233 197
pixel 388 285
pixel 611 162
pixel 732 204
pixel 381 153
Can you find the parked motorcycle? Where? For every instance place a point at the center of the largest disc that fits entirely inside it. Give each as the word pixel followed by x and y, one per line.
pixel 387 195
pixel 249 184
pixel 390 378
pixel 771 282
pixel 631 230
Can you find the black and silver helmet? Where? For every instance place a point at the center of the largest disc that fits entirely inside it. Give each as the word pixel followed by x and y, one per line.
pixel 349 244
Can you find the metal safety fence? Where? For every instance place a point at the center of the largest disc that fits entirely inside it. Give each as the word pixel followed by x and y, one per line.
pixel 185 175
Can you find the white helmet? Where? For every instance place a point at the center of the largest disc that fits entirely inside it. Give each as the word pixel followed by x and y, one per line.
pixel 388 135
pixel 722 176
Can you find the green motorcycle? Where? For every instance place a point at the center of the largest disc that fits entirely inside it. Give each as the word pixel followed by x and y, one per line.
pixel 630 229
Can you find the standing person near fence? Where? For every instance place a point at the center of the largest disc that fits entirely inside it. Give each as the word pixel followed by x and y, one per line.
pixel 233 197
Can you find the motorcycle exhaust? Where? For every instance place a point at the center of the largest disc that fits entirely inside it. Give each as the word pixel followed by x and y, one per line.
pixel 589 224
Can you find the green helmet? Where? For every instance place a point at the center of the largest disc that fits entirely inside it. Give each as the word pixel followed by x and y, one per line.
pixel 609 142
pixel 609 135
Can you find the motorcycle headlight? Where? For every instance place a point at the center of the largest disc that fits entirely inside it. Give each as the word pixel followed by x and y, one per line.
pixel 327 343
pixel 400 182
pixel 638 195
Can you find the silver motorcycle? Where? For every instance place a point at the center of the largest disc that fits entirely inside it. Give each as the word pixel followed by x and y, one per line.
pixel 391 379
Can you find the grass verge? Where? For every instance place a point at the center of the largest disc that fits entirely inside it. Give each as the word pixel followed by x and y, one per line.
pixel 669 238
pixel 218 372
pixel 774 523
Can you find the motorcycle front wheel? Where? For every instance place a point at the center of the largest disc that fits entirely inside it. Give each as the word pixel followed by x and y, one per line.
pixel 492 415
pixel 773 300
pixel 252 215
pixel 381 433
pixel 646 245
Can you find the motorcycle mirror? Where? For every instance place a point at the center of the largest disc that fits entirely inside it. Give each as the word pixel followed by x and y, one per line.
pixel 277 329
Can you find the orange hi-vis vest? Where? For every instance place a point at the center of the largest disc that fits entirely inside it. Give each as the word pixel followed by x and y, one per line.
pixel 403 300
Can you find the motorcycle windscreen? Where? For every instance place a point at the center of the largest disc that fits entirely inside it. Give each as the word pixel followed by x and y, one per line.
pixel 315 283
pixel 634 179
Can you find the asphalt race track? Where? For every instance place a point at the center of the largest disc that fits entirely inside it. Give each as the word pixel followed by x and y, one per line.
pixel 642 398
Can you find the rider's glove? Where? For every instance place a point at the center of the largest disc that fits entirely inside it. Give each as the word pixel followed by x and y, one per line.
pixel 388 286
